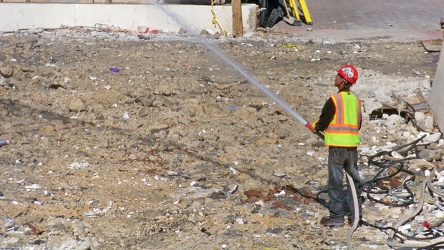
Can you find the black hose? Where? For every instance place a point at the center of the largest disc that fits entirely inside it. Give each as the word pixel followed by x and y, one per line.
pixel 373 187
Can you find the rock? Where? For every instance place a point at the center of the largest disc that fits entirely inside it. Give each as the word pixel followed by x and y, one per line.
pixel 80 230
pixel 47 130
pixel 78 243
pixel 144 112
pixel 432 138
pixel 424 154
pixel 420 164
pixel 6 72
pixel 394 121
pixel 436 155
pixel 30 69
pixel 130 100
pixel 420 117
pixel 77 105
pixel 9 242
pixel 146 100
pixel 429 122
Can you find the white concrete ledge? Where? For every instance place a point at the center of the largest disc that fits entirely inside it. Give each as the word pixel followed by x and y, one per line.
pixel 17 16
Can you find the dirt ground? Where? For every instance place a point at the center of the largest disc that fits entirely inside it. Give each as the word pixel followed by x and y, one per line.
pixel 172 148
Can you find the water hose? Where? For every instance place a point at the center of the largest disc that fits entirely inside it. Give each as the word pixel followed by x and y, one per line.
pixel 356 207
pixel 261 87
pixel 244 72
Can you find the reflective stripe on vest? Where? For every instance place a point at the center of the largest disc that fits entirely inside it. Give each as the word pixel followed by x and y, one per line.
pixel 343 130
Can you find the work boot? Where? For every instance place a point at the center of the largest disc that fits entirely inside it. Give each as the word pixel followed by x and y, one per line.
pixel 330 222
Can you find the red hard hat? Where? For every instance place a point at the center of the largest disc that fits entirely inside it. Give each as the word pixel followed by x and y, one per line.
pixel 349 73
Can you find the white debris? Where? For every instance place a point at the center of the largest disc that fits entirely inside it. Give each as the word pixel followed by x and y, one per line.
pixel 234 170
pixel 430 137
pixel 78 165
pixel 397 155
pixel 240 221
pixel 280 193
pixel 405 227
pixel 33 186
pixel 279 173
pixel 390 146
pixel 394 120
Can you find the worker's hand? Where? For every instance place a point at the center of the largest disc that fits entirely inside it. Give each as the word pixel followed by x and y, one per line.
pixel 313 125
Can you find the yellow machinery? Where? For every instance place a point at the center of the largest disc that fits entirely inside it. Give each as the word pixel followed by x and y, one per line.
pixel 303 7
pixel 293 12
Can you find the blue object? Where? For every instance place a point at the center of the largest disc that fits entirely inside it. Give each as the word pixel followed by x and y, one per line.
pixel 114 69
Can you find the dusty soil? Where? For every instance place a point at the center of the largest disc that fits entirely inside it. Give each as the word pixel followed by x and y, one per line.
pixel 176 150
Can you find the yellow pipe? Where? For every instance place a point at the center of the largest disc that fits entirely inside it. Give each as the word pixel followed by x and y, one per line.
pixel 305 11
pixel 294 9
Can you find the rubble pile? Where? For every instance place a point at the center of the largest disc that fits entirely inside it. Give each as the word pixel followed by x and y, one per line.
pixel 122 142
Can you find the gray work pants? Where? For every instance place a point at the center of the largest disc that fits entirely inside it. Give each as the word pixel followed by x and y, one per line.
pixel 341 203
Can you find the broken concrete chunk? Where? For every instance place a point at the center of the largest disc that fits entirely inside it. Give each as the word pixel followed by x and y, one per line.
pixel 428 123
pixel 432 138
pixel 6 72
pixel 77 105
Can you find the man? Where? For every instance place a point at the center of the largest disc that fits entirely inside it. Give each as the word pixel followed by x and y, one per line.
pixel 340 120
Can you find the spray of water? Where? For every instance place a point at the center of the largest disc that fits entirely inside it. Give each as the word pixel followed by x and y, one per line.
pixel 235 65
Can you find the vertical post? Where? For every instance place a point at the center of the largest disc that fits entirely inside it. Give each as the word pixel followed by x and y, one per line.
pixel 236 6
pixel 442 23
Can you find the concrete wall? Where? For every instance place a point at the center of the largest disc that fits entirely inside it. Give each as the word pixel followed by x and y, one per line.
pixel 436 97
pixel 16 16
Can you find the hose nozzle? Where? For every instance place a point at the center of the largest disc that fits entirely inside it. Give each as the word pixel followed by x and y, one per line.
pixel 308 125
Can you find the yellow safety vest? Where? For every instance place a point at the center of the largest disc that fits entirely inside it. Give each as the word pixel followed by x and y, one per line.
pixel 343 130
